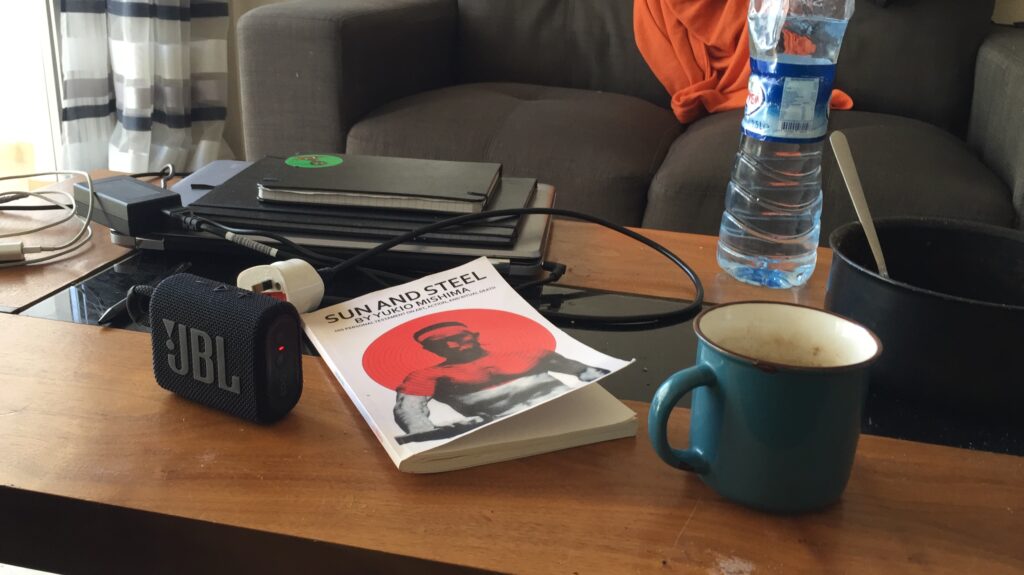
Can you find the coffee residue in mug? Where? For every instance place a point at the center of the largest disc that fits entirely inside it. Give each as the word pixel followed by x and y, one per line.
pixel 782 349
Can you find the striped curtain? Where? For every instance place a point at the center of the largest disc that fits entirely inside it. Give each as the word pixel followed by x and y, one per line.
pixel 144 83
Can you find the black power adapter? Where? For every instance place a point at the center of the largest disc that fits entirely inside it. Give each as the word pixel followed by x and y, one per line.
pixel 127 205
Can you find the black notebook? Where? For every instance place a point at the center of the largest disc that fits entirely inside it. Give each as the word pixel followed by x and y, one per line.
pixel 379 182
pixel 234 202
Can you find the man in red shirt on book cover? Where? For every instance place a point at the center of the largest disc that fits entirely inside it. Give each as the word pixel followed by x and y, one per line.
pixel 480 385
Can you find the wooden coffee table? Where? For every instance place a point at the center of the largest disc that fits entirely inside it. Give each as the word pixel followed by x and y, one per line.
pixel 22 286
pixel 597 258
pixel 102 470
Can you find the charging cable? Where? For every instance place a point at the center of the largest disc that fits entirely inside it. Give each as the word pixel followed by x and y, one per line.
pixel 295 282
pixel 12 253
pixel 633 321
pixel 287 279
pixel 241 237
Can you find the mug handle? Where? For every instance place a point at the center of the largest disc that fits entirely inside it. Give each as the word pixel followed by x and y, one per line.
pixel 671 391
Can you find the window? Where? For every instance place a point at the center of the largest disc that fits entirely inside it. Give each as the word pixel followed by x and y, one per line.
pixel 29 102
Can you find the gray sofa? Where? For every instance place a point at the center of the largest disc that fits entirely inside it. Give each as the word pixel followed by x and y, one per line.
pixel 556 89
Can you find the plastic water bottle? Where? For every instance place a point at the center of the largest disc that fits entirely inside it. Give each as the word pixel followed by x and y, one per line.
pixel 772 219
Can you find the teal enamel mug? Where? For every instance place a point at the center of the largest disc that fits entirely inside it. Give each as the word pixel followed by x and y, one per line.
pixel 778 391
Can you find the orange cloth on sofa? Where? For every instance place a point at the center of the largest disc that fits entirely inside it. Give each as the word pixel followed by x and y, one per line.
pixel 699 51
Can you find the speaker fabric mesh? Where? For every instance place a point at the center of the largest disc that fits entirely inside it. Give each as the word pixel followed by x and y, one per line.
pixel 223 330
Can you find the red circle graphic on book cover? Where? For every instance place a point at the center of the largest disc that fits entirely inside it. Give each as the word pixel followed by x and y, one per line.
pixel 405 348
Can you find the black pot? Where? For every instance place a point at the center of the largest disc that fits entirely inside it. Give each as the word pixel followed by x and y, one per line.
pixel 951 316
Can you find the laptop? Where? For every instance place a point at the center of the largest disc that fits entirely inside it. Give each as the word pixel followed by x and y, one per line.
pixel 519 261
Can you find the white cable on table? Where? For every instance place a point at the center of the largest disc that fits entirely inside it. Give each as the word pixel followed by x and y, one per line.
pixel 81 238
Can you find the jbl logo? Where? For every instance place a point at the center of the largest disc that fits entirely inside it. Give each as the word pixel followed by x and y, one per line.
pixel 204 352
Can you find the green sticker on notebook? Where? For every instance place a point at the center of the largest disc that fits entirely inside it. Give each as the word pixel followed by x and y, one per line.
pixel 313 161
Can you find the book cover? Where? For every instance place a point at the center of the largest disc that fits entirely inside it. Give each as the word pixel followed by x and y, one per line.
pixel 456 369
pixel 383 182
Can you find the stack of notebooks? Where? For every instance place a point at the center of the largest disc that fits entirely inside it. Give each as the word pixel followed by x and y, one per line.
pixel 370 198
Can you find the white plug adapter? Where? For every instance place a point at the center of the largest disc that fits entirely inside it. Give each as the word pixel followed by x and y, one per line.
pixel 295 279
pixel 12 252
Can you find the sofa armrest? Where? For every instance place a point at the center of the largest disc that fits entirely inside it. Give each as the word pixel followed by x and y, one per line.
pixel 310 69
pixel 997 111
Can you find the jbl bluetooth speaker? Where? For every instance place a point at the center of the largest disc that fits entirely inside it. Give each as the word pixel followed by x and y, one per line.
pixel 225 347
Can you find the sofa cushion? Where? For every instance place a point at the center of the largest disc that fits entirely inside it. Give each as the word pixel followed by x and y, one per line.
pixel 914 58
pixel 599 150
pixel 907 167
pixel 575 44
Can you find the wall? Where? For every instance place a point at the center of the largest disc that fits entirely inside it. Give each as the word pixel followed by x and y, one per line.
pixel 1006 11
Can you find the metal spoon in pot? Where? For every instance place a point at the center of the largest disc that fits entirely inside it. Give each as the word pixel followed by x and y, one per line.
pixel 848 169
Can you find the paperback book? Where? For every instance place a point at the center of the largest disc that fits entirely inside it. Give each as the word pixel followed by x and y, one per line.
pixel 455 369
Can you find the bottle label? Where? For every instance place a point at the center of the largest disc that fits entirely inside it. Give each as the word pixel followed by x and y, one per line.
pixel 788 102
